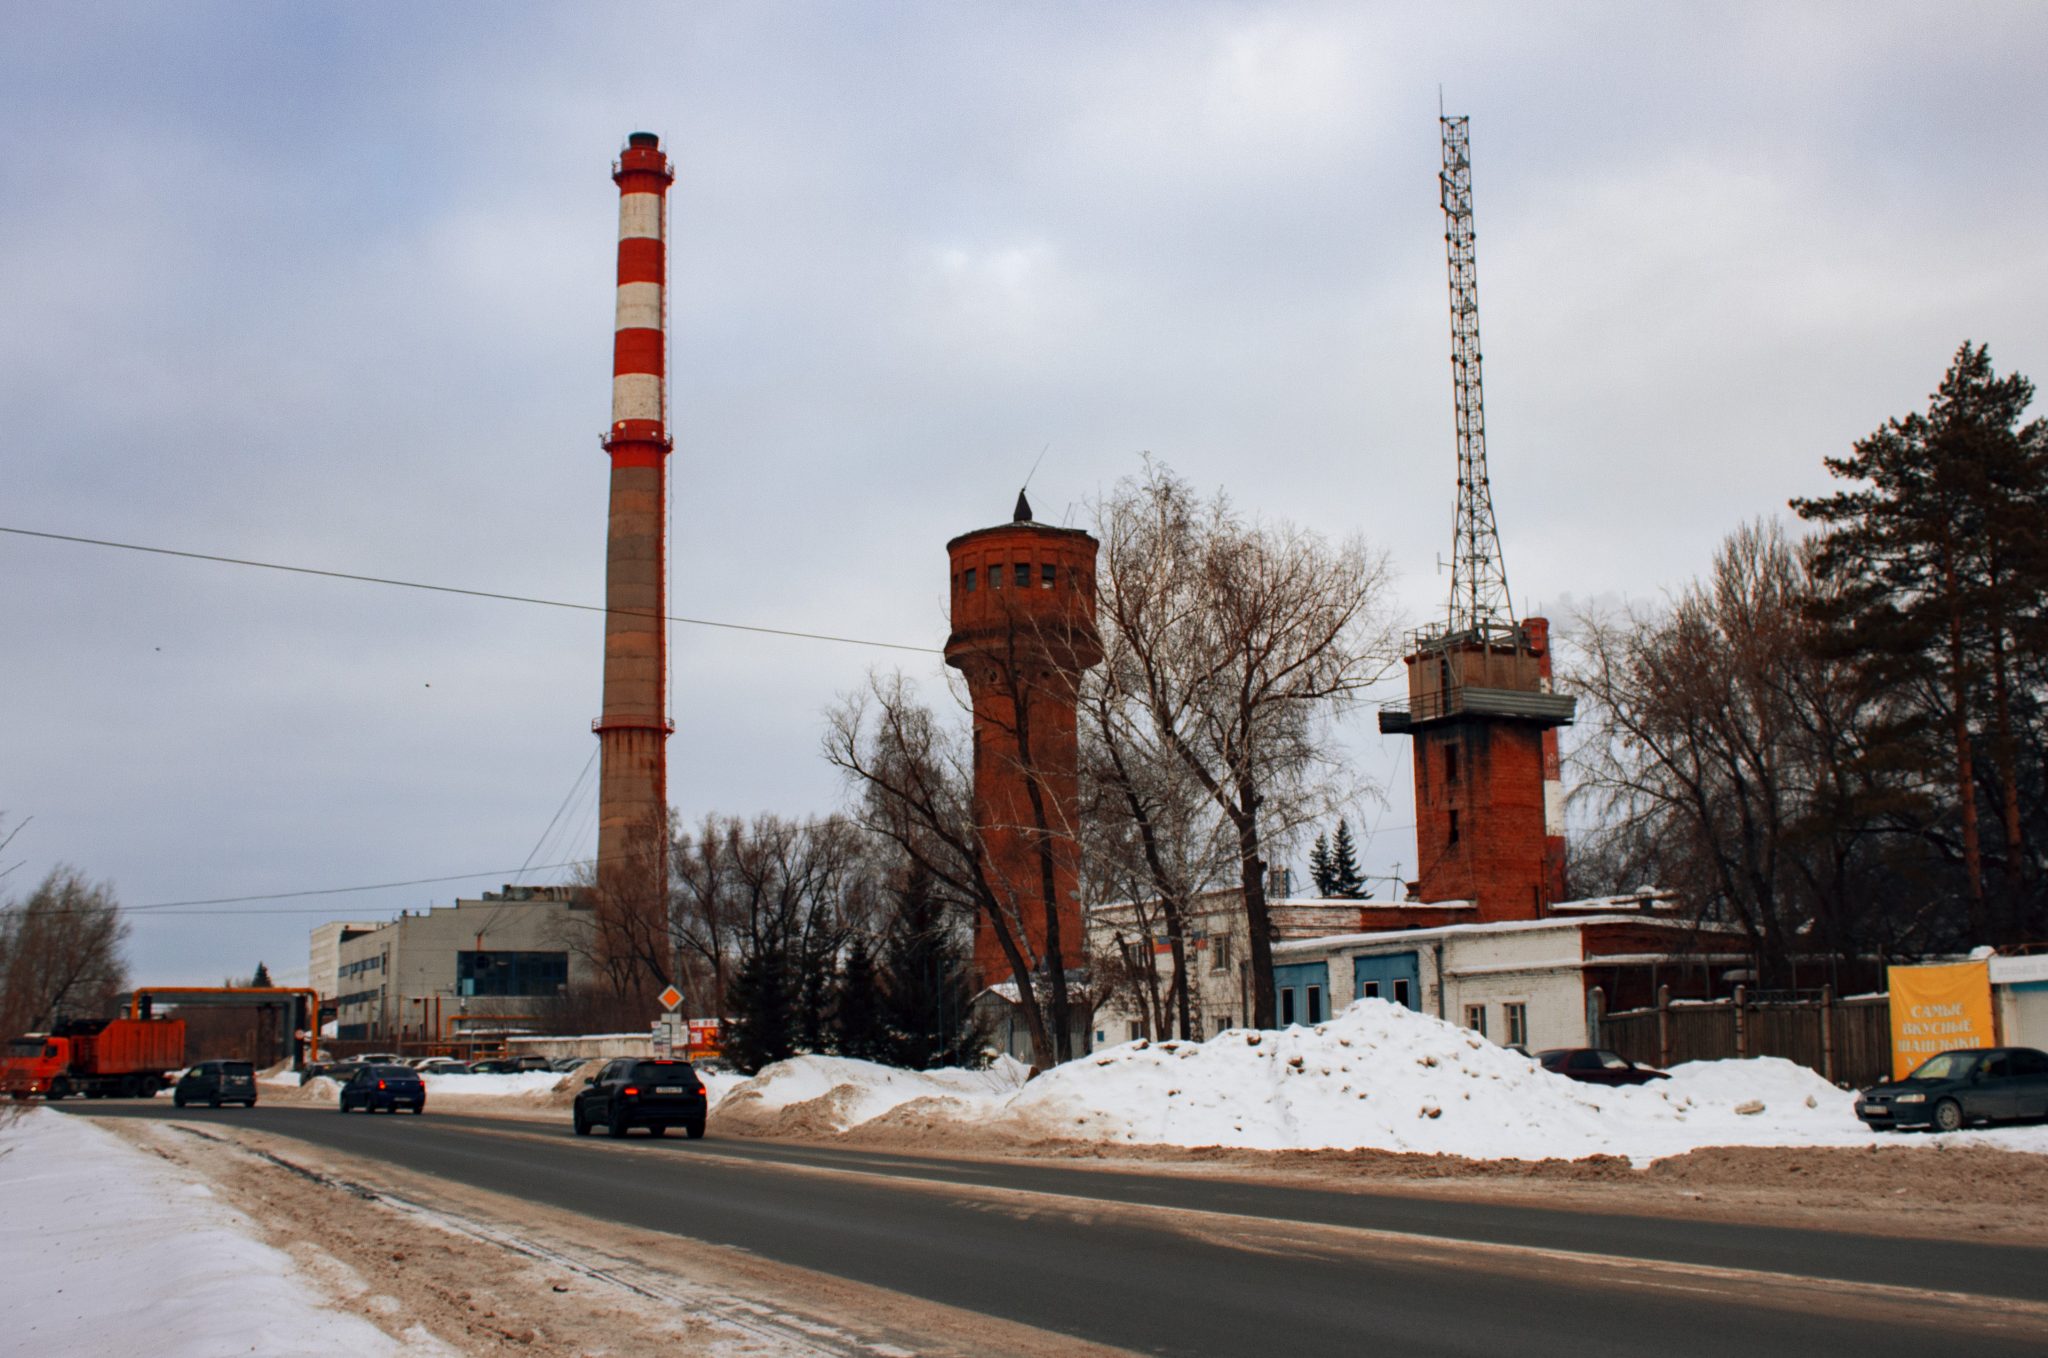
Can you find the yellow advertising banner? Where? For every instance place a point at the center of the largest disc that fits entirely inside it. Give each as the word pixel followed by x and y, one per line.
pixel 1938 1009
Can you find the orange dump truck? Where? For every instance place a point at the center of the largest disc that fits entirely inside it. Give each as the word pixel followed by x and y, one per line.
pixel 99 1058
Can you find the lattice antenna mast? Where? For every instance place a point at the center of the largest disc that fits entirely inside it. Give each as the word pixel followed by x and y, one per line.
pixel 1479 580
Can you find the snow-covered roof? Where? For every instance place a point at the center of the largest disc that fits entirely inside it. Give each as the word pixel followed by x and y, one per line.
pixel 1331 942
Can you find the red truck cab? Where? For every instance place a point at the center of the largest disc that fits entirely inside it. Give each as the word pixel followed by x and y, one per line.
pixel 33 1061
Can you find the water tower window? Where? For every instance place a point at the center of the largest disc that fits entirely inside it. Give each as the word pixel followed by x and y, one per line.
pixel 1454 828
pixel 1023 575
pixel 1048 576
pixel 968 576
pixel 1450 763
pixel 995 576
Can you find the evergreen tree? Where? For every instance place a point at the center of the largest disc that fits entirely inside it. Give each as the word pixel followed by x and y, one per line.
pixel 857 1025
pixel 1319 868
pixel 261 980
pixel 761 1030
pixel 1346 881
pixel 1938 560
pixel 820 982
pixel 927 1004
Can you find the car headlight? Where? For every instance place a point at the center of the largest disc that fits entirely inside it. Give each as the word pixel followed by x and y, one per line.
pixel 1910 1098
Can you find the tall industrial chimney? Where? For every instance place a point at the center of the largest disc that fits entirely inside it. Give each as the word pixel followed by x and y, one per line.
pixel 632 735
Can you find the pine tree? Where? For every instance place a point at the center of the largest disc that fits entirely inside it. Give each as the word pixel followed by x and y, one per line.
pixel 814 1001
pixel 1346 881
pixel 927 1004
pixel 261 980
pixel 1938 554
pixel 1319 868
pixel 761 1031
pixel 857 1025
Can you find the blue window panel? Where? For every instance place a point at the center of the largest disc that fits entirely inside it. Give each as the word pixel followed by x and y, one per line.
pixel 1389 976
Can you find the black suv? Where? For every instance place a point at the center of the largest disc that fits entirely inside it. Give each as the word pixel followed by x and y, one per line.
pixel 630 1093
pixel 214 1083
pixel 387 1087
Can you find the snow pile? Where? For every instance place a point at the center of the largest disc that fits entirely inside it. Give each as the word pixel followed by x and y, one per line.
pixel 1380 1076
pixel 835 1093
pixel 529 1085
pixel 1377 1077
pixel 86 1211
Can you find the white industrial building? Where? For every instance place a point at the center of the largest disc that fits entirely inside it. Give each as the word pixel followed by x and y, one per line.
pixel 496 962
pixel 323 970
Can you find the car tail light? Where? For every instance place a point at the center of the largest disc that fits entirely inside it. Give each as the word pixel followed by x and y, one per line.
pixel 380 1084
pixel 629 1091
pixel 700 1089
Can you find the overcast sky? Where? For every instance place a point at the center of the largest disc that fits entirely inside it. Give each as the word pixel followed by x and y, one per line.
pixel 331 285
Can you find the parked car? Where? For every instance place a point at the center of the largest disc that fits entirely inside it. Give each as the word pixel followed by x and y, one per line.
pixel 437 1065
pixel 1949 1092
pixel 631 1093
pixel 337 1071
pixel 564 1065
pixel 387 1087
pixel 496 1065
pixel 1593 1066
pixel 214 1083
pixel 522 1064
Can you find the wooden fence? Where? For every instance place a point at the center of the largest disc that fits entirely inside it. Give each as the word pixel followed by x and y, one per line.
pixel 1847 1041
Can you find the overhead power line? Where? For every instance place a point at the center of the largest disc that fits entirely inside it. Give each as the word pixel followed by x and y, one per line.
pixel 471 593
pixel 344 890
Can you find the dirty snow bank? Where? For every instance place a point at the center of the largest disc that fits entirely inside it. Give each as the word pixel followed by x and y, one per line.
pixel 86 1210
pixel 1378 1076
pixel 835 1093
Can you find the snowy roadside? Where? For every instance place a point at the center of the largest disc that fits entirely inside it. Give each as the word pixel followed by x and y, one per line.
pixel 1376 1077
pixel 122 1254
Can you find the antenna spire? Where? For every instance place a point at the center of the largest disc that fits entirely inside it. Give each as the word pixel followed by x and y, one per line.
pixel 1479 581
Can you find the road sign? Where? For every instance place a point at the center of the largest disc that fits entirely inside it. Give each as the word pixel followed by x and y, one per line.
pixel 670 998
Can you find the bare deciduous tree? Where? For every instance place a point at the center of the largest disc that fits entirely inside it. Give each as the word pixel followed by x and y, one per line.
pixel 916 785
pixel 1728 758
pixel 1234 644
pixel 1152 837
pixel 60 953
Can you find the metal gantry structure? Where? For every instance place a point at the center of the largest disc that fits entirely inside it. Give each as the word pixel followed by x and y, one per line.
pixel 1479 584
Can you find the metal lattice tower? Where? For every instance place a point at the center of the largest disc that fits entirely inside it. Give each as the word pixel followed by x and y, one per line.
pixel 1479 581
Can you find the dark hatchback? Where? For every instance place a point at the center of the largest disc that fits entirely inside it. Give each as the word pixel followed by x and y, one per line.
pixel 216 1082
pixel 387 1087
pixel 656 1095
pixel 1950 1091
pixel 1591 1065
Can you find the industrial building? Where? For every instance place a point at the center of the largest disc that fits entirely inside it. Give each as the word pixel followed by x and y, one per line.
pixel 323 971
pixel 496 963
pixel 1515 981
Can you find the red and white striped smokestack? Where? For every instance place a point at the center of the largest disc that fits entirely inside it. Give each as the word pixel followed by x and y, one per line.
pixel 632 838
pixel 1555 881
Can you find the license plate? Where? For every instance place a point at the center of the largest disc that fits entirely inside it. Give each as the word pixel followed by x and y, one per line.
pixel 668 1089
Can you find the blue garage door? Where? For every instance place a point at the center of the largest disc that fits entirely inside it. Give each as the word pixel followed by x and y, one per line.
pixel 1301 993
pixel 1389 976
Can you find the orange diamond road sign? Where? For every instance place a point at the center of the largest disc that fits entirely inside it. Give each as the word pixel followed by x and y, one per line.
pixel 670 998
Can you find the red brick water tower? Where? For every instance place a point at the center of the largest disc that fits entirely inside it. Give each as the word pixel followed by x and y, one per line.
pixel 1023 633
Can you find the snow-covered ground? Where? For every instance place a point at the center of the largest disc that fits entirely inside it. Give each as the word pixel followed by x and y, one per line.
pixel 1378 1076
pixel 847 1093
pixel 106 1249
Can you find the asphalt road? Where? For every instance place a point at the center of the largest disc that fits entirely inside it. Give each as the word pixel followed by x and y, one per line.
pixel 1228 1271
